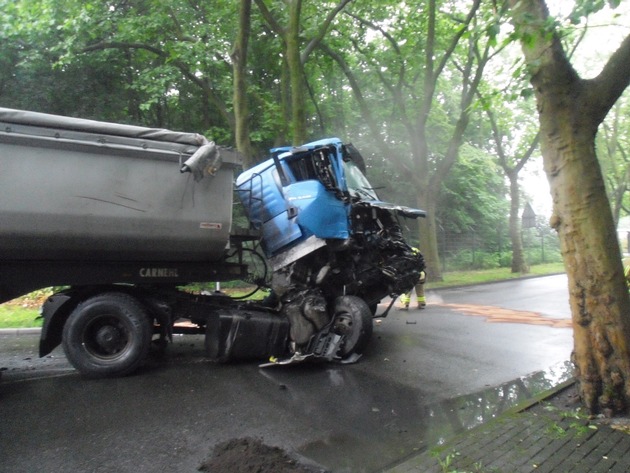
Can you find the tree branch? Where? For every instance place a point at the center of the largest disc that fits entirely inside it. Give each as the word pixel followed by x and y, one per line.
pixel 271 21
pixel 612 81
pixel 366 111
pixel 322 30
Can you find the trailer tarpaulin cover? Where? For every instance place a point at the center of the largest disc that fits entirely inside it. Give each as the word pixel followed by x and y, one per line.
pixel 45 120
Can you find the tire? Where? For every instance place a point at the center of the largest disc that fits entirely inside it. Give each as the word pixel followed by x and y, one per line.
pixel 107 335
pixel 352 319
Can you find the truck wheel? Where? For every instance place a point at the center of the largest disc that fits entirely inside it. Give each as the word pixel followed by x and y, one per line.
pixel 353 320
pixel 107 335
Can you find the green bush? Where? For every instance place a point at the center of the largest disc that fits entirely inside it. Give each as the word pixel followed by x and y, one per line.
pixel 536 256
pixel 17 316
pixel 473 260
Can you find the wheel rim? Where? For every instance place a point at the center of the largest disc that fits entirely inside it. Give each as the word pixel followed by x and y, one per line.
pixel 353 321
pixel 345 326
pixel 106 337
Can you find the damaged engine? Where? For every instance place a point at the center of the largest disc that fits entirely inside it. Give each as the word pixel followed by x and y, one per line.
pixel 374 263
pixel 336 250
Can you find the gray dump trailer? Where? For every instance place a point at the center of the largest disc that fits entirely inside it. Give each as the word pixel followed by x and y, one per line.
pixel 123 216
pixel 79 193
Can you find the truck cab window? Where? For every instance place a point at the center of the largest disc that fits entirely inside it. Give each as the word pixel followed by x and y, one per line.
pixel 314 166
pixel 358 185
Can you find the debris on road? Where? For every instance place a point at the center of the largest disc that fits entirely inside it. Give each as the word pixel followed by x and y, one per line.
pixel 244 455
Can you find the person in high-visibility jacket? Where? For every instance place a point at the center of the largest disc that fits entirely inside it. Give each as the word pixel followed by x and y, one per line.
pixel 405 299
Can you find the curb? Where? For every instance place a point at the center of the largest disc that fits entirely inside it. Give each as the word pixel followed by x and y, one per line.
pixel 517 409
pixel 20 331
pixel 541 397
pixel 458 286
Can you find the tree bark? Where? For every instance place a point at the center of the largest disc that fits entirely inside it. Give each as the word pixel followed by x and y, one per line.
pixel 518 258
pixel 570 110
pixel 239 65
pixel 292 41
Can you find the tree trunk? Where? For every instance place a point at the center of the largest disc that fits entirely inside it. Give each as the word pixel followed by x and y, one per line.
pixel 570 110
pixel 239 61
pixel 292 38
pixel 511 168
pixel 428 239
pixel 281 137
pixel 518 259
pixel 295 60
pixel 590 249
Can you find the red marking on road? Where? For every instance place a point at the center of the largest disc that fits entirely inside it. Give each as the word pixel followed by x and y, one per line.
pixel 501 315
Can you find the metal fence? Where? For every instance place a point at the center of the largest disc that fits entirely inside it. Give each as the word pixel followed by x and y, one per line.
pixel 465 251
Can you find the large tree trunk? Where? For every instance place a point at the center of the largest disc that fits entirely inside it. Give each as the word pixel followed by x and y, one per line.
pixel 570 110
pixel 590 249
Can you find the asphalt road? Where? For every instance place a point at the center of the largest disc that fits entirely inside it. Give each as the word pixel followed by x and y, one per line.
pixel 425 376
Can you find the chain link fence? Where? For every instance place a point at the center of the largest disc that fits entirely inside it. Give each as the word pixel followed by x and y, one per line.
pixel 473 250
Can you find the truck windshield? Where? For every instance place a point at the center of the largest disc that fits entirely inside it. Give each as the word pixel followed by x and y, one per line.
pixel 358 185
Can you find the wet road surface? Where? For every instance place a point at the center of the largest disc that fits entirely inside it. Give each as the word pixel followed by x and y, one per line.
pixel 425 376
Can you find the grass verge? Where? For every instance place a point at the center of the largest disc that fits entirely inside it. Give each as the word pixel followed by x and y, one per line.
pixel 23 312
pixel 465 278
pixel 16 316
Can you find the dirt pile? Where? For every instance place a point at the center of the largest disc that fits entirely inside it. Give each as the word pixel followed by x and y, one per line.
pixel 248 455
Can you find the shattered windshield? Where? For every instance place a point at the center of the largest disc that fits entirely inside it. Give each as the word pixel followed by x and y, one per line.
pixel 358 185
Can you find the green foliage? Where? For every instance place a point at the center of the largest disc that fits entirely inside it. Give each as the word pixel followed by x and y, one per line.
pixel 12 316
pixel 146 62
pixel 541 245
pixel 613 152
pixel 467 277
pixel 558 428
pixel 584 8
pixel 473 198
pixel 471 253
pixel 539 256
pixel 470 259
pixel 448 463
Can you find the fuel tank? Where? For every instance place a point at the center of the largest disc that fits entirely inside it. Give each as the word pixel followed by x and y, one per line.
pixel 75 189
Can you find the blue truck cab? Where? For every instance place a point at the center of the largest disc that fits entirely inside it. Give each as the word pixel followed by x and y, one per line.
pixel 307 191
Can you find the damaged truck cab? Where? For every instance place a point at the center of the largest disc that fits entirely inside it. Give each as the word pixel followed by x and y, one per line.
pixel 335 250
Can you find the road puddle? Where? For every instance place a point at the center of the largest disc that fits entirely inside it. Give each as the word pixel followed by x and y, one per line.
pixel 373 431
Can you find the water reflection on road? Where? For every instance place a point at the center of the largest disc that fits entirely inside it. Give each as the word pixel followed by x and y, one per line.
pixel 374 427
pixel 456 415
